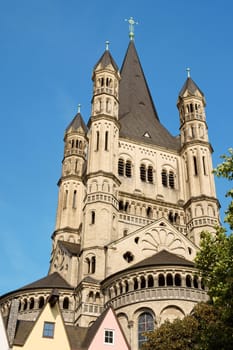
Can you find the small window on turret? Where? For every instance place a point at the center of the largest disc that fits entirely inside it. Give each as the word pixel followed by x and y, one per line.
pixel 106 141
pixel 121 167
pixel 97 140
pixel 150 174
pixel 195 165
pixel 171 179
pixel 128 168
pixel 164 177
pixel 143 172
pixel 92 217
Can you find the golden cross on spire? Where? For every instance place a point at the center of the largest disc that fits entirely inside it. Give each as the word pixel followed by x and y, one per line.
pixel 132 23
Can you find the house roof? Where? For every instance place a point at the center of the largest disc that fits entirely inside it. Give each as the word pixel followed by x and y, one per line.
pixel 72 248
pixel 137 114
pixel 163 258
pixel 23 329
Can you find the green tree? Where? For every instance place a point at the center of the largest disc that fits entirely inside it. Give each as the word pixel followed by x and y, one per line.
pixel 210 326
pixel 202 330
pixel 215 259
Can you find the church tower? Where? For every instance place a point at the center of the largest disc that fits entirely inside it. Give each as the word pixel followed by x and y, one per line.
pixel 201 206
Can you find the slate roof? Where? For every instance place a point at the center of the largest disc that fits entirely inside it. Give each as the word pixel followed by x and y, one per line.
pixel 137 113
pixel 191 86
pixel 51 281
pixel 105 60
pixel 72 248
pixel 23 329
pixel 163 258
pixel 76 123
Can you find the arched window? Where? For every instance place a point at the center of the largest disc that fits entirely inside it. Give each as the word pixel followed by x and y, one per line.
pixel 150 174
pixel 195 282
pixel 164 177
pixel 188 281
pixel 106 141
pixel 135 283
pixel 149 212
pixel 177 280
pixel 143 282
pixel 143 172
pixel 195 165
pixel 93 264
pixel 65 199
pixel 92 217
pixel 169 279
pixel 121 167
pixel 171 179
pixel 25 304
pixel 121 205
pixel 128 168
pixel 145 324
pixel 74 199
pixel 97 140
pixel 161 280
pixel 150 281
pixel 66 303
pixel 126 286
pixel 32 303
pixel 76 143
pixel 41 302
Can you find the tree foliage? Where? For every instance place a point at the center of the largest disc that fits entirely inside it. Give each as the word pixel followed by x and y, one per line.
pixel 202 330
pixel 210 326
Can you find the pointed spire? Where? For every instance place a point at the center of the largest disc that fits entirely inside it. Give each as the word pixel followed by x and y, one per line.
pixel 137 113
pixel 77 122
pixel 190 86
pixel 106 59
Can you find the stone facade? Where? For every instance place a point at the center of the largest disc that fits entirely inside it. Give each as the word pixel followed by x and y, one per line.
pixel 132 203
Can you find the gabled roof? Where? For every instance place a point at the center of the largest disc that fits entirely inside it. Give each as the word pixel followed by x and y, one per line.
pixel 72 248
pixel 163 258
pixel 191 87
pixel 51 281
pixel 137 114
pixel 77 123
pixel 23 330
pixel 105 60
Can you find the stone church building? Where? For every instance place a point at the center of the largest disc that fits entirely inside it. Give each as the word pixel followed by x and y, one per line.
pixel 132 202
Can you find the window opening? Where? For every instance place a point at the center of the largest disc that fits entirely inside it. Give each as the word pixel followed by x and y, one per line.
pixel 93 265
pixel 66 303
pixel 106 141
pixel 31 305
pixel 150 281
pixel 135 285
pixel 97 140
pixel 92 217
pixel 121 167
pixel 195 165
pixel 164 178
pixel 108 336
pixel 143 172
pixel 171 179
pixel 177 280
pixel 204 167
pixel 48 330
pixel 74 199
pixel 121 205
pixel 143 282
pixel 150 174
pixel 169 280
pixel 161 280
pixel 145 324
pixel 65 199
pixel 41 302
pixel 128 168
pixel 188 281
pixel 128 256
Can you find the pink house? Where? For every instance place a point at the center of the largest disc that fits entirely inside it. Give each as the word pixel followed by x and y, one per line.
pixel 106 334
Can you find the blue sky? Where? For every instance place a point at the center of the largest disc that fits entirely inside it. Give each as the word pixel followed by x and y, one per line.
pixel 47 52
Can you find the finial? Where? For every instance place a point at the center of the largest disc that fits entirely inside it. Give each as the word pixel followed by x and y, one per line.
pixel 188 72
pixel 107 45
pixel 131 22
pixel 79 108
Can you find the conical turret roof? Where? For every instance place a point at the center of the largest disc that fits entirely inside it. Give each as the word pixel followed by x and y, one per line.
pixel 191 87
pixel 137 114
pixel 77 123
pixel 105 60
